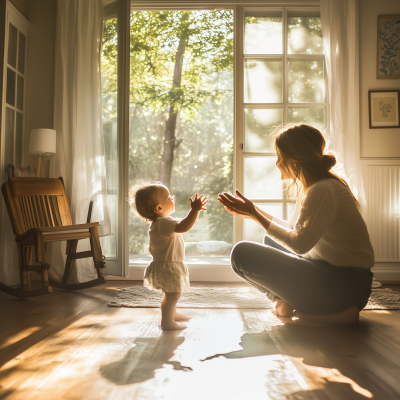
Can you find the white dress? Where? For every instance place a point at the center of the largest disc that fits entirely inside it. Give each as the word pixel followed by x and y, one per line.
pixel 167 271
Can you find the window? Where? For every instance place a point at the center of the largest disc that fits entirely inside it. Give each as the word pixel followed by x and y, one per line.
pixel 15 94
pixel 282 69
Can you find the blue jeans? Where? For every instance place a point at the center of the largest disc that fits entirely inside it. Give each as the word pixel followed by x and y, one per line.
pixel 310 286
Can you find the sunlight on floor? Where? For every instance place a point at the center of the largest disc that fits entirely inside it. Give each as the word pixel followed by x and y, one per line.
pixel 224 354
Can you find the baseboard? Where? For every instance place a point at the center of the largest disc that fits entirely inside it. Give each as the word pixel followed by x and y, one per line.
pixel 387 272
pixel 196 273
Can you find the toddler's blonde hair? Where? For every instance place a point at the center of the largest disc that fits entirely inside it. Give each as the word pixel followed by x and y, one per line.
pixel 143 200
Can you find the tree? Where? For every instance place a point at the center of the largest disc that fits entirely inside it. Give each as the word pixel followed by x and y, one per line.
pixel 171 53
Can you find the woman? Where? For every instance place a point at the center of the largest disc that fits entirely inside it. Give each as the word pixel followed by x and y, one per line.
pixel 317 264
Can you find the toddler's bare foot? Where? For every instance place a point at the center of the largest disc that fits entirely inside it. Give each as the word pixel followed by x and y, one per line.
pixel 283 309
pixel 181 317
pixel 172 326
pixel 348 316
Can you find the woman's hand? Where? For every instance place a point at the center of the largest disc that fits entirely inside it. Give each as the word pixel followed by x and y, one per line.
pixel 237 205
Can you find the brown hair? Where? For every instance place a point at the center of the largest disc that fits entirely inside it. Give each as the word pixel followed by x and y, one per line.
pixel 143 200
pixel 302 152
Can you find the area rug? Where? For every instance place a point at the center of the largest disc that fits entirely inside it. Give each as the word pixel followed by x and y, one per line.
pixel 236 297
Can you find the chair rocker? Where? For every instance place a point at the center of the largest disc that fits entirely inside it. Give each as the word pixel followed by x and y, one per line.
pixel 40 213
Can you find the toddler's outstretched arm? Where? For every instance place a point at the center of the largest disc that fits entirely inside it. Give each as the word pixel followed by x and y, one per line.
pixel 196 206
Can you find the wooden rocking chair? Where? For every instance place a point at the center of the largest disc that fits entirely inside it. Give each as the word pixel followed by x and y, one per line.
pixel 39 213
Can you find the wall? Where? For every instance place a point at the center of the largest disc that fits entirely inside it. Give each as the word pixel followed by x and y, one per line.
pixel 379 147
pixel 375 142
pixel 40 79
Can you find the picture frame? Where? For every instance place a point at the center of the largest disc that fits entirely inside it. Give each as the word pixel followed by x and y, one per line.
pixel 388 47
pixel 384 109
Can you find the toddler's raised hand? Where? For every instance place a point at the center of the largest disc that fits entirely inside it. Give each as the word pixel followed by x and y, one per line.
pixel 198 203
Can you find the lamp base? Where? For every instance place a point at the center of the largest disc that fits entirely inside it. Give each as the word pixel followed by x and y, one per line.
pixel 39 166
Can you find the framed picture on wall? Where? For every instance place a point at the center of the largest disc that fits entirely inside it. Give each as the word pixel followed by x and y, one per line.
pixel 384 109
pixel 388 58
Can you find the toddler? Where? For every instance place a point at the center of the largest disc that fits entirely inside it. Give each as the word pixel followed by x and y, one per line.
pixel 167 271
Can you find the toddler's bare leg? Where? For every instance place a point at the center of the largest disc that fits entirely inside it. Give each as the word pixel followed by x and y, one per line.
pixel 168 307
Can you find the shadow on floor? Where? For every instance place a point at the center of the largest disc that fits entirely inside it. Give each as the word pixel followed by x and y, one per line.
pixel 138 365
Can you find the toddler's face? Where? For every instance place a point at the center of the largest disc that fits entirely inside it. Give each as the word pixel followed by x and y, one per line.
pixel 165 201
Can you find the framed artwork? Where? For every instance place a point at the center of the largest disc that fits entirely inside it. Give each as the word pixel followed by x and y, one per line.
pixel 388 59
pixel 384 109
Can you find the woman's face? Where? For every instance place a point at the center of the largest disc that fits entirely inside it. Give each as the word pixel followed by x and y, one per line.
pixel 284 172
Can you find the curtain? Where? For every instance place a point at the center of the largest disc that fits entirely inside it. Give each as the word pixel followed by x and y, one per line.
pixel 80 157
pixel 339 24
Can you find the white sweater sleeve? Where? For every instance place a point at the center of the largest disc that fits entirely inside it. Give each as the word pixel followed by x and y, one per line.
pixel 281 222
pixel 317 213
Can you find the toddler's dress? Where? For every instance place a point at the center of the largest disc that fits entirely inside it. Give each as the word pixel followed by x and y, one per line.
pixel 167 271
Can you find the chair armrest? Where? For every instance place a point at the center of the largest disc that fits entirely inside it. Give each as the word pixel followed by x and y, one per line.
pixel 56 229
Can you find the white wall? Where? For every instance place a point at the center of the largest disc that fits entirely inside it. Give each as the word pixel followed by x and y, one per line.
pixel 375 142
pixel 40 79
pixel 378 146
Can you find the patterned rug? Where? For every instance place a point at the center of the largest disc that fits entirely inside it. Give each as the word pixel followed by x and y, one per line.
pixel 237 297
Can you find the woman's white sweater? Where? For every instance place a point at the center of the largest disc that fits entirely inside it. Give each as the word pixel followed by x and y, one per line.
pixel 326 225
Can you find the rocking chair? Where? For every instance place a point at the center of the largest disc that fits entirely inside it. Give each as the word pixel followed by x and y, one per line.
pixel 39 213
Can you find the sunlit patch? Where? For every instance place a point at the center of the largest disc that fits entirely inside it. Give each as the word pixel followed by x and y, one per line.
pixel 20 335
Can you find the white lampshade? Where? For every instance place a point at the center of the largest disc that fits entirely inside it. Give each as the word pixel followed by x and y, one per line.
pixel 43 141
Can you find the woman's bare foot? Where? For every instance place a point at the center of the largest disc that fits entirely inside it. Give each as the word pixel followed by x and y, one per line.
pixel 172 326
pixel 181 317
pixel 348 316
pixel 283 309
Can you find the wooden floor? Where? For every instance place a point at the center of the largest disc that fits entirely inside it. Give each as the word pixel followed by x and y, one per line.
pixel 72 346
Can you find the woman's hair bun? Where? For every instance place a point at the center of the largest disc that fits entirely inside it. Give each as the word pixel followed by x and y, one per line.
pixel 328 161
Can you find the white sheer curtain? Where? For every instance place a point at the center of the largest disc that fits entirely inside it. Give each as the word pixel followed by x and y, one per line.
pixel 80 157
pixel 339 23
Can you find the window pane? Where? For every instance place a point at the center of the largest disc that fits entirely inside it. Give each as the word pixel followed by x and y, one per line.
pixel 262 179
pixel 109 81
pixel 262 35
pixel 10 92
pixel 18 138
pixel 20 92
pixel 306 81
pixel 12 46
pixel 201 128
pixel 314 116
pixel 259 124
pixel 9 137
pixel 253 231
pixel 304 35
pixel 21 53
pixel 262 81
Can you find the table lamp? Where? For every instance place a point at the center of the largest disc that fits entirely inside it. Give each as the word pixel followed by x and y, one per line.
pixel 42 143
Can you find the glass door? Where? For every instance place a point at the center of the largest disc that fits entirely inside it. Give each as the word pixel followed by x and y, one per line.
pixel 113 58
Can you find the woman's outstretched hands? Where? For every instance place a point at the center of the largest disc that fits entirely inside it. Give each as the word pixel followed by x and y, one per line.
pixel 198 203
pixel 237 205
